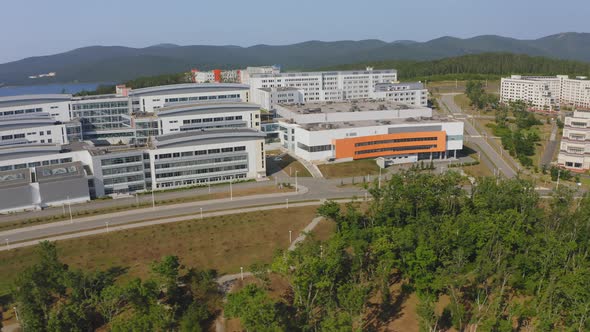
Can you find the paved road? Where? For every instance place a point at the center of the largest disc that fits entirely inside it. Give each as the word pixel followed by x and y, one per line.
pixel 310 189
pixel 475 137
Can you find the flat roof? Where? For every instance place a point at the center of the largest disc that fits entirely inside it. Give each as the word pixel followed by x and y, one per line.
pixel 343 107
pixel 208 136
pixel 186 88
pixel 28 150
pixel 206 108
pixel 20 123
pixel 283 88
pixel 11 101
pixel 370 123
pixel 409 85
pixel 316 73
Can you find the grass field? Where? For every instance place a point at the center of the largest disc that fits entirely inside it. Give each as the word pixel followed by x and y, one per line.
pixel 348 169
pixel 87 213
pixel 220 243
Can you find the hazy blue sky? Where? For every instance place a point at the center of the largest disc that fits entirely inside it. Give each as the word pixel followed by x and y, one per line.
pixel 41 27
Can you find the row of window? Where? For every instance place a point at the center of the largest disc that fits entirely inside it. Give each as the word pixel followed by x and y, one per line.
pixel 315 148
pixel 199 152
pixel 123 179
pixel 102 105
pixel 201 162
pixel 396 149
pixel 396 140
pixel 121 160
pixel 201 171
pixel 36 164
pixel 23 111
pixel 184 99
pixel 219 119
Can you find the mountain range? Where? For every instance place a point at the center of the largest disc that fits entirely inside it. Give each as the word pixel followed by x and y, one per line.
pixel 119 63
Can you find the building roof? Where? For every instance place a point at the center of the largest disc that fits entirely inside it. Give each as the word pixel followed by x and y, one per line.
pixel 392 86
pixel 416 123
pixel 201 108
pixel 279 89
pixel 209 136
pixel 15 178
pixel 59 172
pixel 11 101
pixel 343 107
pixel 27 150
pixel 327 73
pixel 186 88
pixel 13 123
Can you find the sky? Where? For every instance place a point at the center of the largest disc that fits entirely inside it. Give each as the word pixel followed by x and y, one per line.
pixel 43 27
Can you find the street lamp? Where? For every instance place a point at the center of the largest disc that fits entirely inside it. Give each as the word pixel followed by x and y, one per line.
pixel 287 202
pixel 290 241
pixel 296 186
pixel 241 272
pixel 70 209
pixel 231 191
pixel 201 213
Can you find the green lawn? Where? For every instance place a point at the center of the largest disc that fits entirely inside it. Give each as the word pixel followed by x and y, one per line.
pixel 360 167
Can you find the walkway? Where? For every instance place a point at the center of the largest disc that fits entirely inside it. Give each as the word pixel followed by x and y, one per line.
pixel 549 152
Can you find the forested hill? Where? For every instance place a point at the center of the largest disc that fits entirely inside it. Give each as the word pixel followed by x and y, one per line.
pixel 468 67
pixel 119 63
pixel 476 66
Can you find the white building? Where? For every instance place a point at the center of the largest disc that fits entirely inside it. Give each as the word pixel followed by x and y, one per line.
pixel 268 97
pixel 574 152
pixel 546 92
pixel 246 73
pixel 201 116
pixel 148 100
pixel 346 131
pixel 56 105
pixel 412 93
pixel 325 86
pixel 32 128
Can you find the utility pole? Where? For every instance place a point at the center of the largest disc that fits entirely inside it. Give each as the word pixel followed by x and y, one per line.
pixel 70 209
pixel 296 186
pixel 153 200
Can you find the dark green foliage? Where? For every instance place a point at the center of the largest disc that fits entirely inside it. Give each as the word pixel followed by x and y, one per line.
pixel 256 310
pixel 51 297
pixel 486 249
pixel 476 67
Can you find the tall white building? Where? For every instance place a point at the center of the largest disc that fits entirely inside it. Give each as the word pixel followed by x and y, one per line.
pixel 546 92
pixel 574 152
pixel 325 86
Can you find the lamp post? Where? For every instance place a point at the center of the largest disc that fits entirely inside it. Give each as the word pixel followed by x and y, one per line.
pixel 201 213
pixel 70 210
pixel 241 272
pixel 153 200
pixel 287 200
pixel 231 191
pixel 296 186
pixel 290 241
pixel 379 177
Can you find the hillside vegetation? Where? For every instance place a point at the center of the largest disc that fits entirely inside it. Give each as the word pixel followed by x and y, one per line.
pixel 118 63
pixel 476 66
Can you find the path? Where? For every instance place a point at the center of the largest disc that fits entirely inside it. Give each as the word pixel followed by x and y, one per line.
pixel 226 281
pixel 549 152
pixel 448 101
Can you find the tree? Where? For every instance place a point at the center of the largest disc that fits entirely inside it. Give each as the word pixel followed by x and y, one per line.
pixel 256 310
